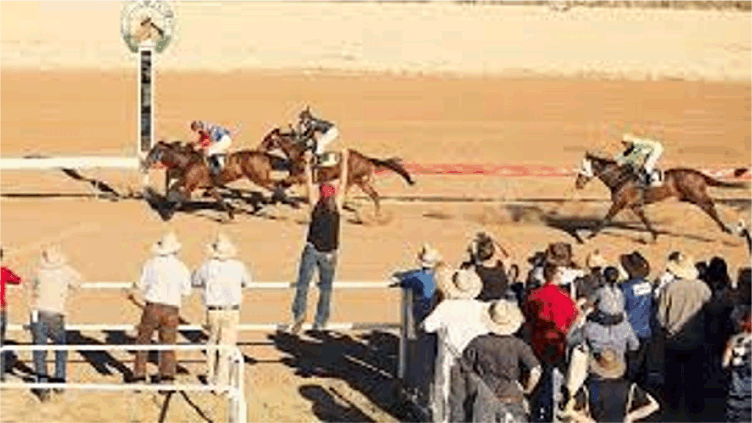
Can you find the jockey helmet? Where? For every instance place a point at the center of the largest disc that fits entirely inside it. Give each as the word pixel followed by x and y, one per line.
pixel 196 125
pixel 628 138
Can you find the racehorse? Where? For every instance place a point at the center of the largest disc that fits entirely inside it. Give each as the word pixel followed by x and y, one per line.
pixel 192 171
pixel 687 185
pixel 361 168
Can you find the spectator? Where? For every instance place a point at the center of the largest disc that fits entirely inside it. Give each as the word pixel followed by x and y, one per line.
pixel 607 396
pixel 550 314
pixel 681 315
pixel 718 310
pixel 638 301
pixel 588 284
pixel 485 260
pixel 222 277
pixel 457 319
pixel 667 277
pixel 560 254
pixel 51 286
pixel 164 279
pixel 422 348
pixel 321 247
pixel 7 277
pixel 492 369
pixel 736 358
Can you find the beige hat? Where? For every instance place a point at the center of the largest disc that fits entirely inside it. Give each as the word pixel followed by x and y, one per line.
pixel 463 284
pixel 503 317
pixel 52 257
pixel 222 248
pixel 595 259
pixel 167 245
pixel 428 256
pixel 683 267
pixel 607 364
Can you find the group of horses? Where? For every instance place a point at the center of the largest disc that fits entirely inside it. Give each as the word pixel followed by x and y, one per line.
pixel 190 171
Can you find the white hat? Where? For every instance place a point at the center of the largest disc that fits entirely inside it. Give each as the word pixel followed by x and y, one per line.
pixel 595 259
pixel 503 317
pixel 167 245
pixel 428 256
pixel 222 248
pixel 52 257
pixel 607 364
pixel 629 138
pixel 682 267
pixel 463 284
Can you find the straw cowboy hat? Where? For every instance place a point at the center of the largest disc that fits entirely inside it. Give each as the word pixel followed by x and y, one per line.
pixel 167 245
pixel 607 364
pixel 428 256
pixel 595 259
pixel 463 284
pixel 503 317
pixel 222 248
pixel 635 265
pixel 52 257
pixel 560 254
pixel 682 266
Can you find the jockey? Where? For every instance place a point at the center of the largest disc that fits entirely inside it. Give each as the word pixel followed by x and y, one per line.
pixel 215 141
pixel 641 149
pixel 329 132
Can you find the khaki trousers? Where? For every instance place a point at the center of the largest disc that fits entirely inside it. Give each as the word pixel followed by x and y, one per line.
pixel 223 330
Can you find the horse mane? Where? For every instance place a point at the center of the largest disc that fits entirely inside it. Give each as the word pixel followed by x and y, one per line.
pixel 593 156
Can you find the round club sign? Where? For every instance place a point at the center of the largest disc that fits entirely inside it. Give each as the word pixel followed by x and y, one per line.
pixel 147 21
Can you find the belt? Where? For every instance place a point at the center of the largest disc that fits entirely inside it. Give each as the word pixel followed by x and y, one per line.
pixel 227 307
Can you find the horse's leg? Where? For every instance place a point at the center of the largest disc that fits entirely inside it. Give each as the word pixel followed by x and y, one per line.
pixel 615 208
pixel 707 205
pixel 367 187
pixel 226 207
pixel 640 212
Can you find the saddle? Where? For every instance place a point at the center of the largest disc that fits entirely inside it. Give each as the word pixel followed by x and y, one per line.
pixel 655 179
pixel 216 163
pixel 328 159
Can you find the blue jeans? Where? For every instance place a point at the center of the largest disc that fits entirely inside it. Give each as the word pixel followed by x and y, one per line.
pixel 547 394
pixel 326 263
pixel 52 326
pixel 3 323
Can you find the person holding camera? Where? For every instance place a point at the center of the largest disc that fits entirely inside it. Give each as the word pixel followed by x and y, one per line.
pixel 489 265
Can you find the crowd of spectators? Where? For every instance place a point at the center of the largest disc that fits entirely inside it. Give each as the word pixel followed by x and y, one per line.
pixel 602 342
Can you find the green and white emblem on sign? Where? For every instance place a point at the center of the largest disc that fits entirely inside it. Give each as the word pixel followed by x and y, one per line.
pixel 147 21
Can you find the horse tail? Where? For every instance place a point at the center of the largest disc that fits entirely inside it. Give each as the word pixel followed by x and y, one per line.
pixel 723 184
pixel 394 165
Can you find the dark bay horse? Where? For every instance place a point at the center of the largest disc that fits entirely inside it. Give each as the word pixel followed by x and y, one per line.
pixel 192 171
pixel 687 185
pixel 361 168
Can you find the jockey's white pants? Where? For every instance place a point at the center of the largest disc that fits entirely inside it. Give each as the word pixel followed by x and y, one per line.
pixel 652 159
pixel 219 147
pixel 326 138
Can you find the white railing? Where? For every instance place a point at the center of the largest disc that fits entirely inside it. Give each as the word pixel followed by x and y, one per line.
pixel 236 392
pixel 81 162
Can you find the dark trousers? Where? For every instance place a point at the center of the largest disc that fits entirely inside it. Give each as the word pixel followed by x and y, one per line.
pixel 638 363
pixel 684 377
pixel 547 394
pixel 3 325
pixel 309 261
pixel 49 326
pixel 164 319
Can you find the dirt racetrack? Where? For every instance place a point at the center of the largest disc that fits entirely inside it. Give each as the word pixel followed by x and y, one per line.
pixel 425 119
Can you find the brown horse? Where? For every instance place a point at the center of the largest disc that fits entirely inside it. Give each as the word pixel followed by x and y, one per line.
pixel 687 185
pixel 192 171
pixel 361 169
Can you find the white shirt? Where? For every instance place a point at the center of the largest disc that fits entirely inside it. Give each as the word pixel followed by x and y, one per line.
pixel 222 281
pixel 462 320
pixel 51 288
pixel 164 280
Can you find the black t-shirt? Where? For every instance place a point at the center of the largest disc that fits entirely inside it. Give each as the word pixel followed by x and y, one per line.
pixel 608 399
pixel 323 232
pixel 495 284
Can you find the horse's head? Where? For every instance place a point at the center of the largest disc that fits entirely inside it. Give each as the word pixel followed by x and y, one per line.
pixel 270 141
pixel 155 154
pixel 584 172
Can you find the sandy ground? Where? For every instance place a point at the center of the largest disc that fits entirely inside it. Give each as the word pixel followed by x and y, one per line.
pixel 69 89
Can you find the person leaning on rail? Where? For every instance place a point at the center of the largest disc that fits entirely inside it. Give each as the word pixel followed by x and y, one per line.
pixel 7 277
pixel 222 278
pixel 164 279
pixel 53 281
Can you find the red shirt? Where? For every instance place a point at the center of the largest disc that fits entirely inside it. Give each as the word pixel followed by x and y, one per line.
pixel 7 276
pixel 551 313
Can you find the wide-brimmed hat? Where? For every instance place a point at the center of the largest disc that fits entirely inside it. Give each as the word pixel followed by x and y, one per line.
pixel 635 265
pixel 167 245
pixel 428 256
pixel 503 317
pixel 595 260
pixel 221 248
pixel 52 257
pixel 462 284
pixel 607 364
pixel 560 254
pixel 682 266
